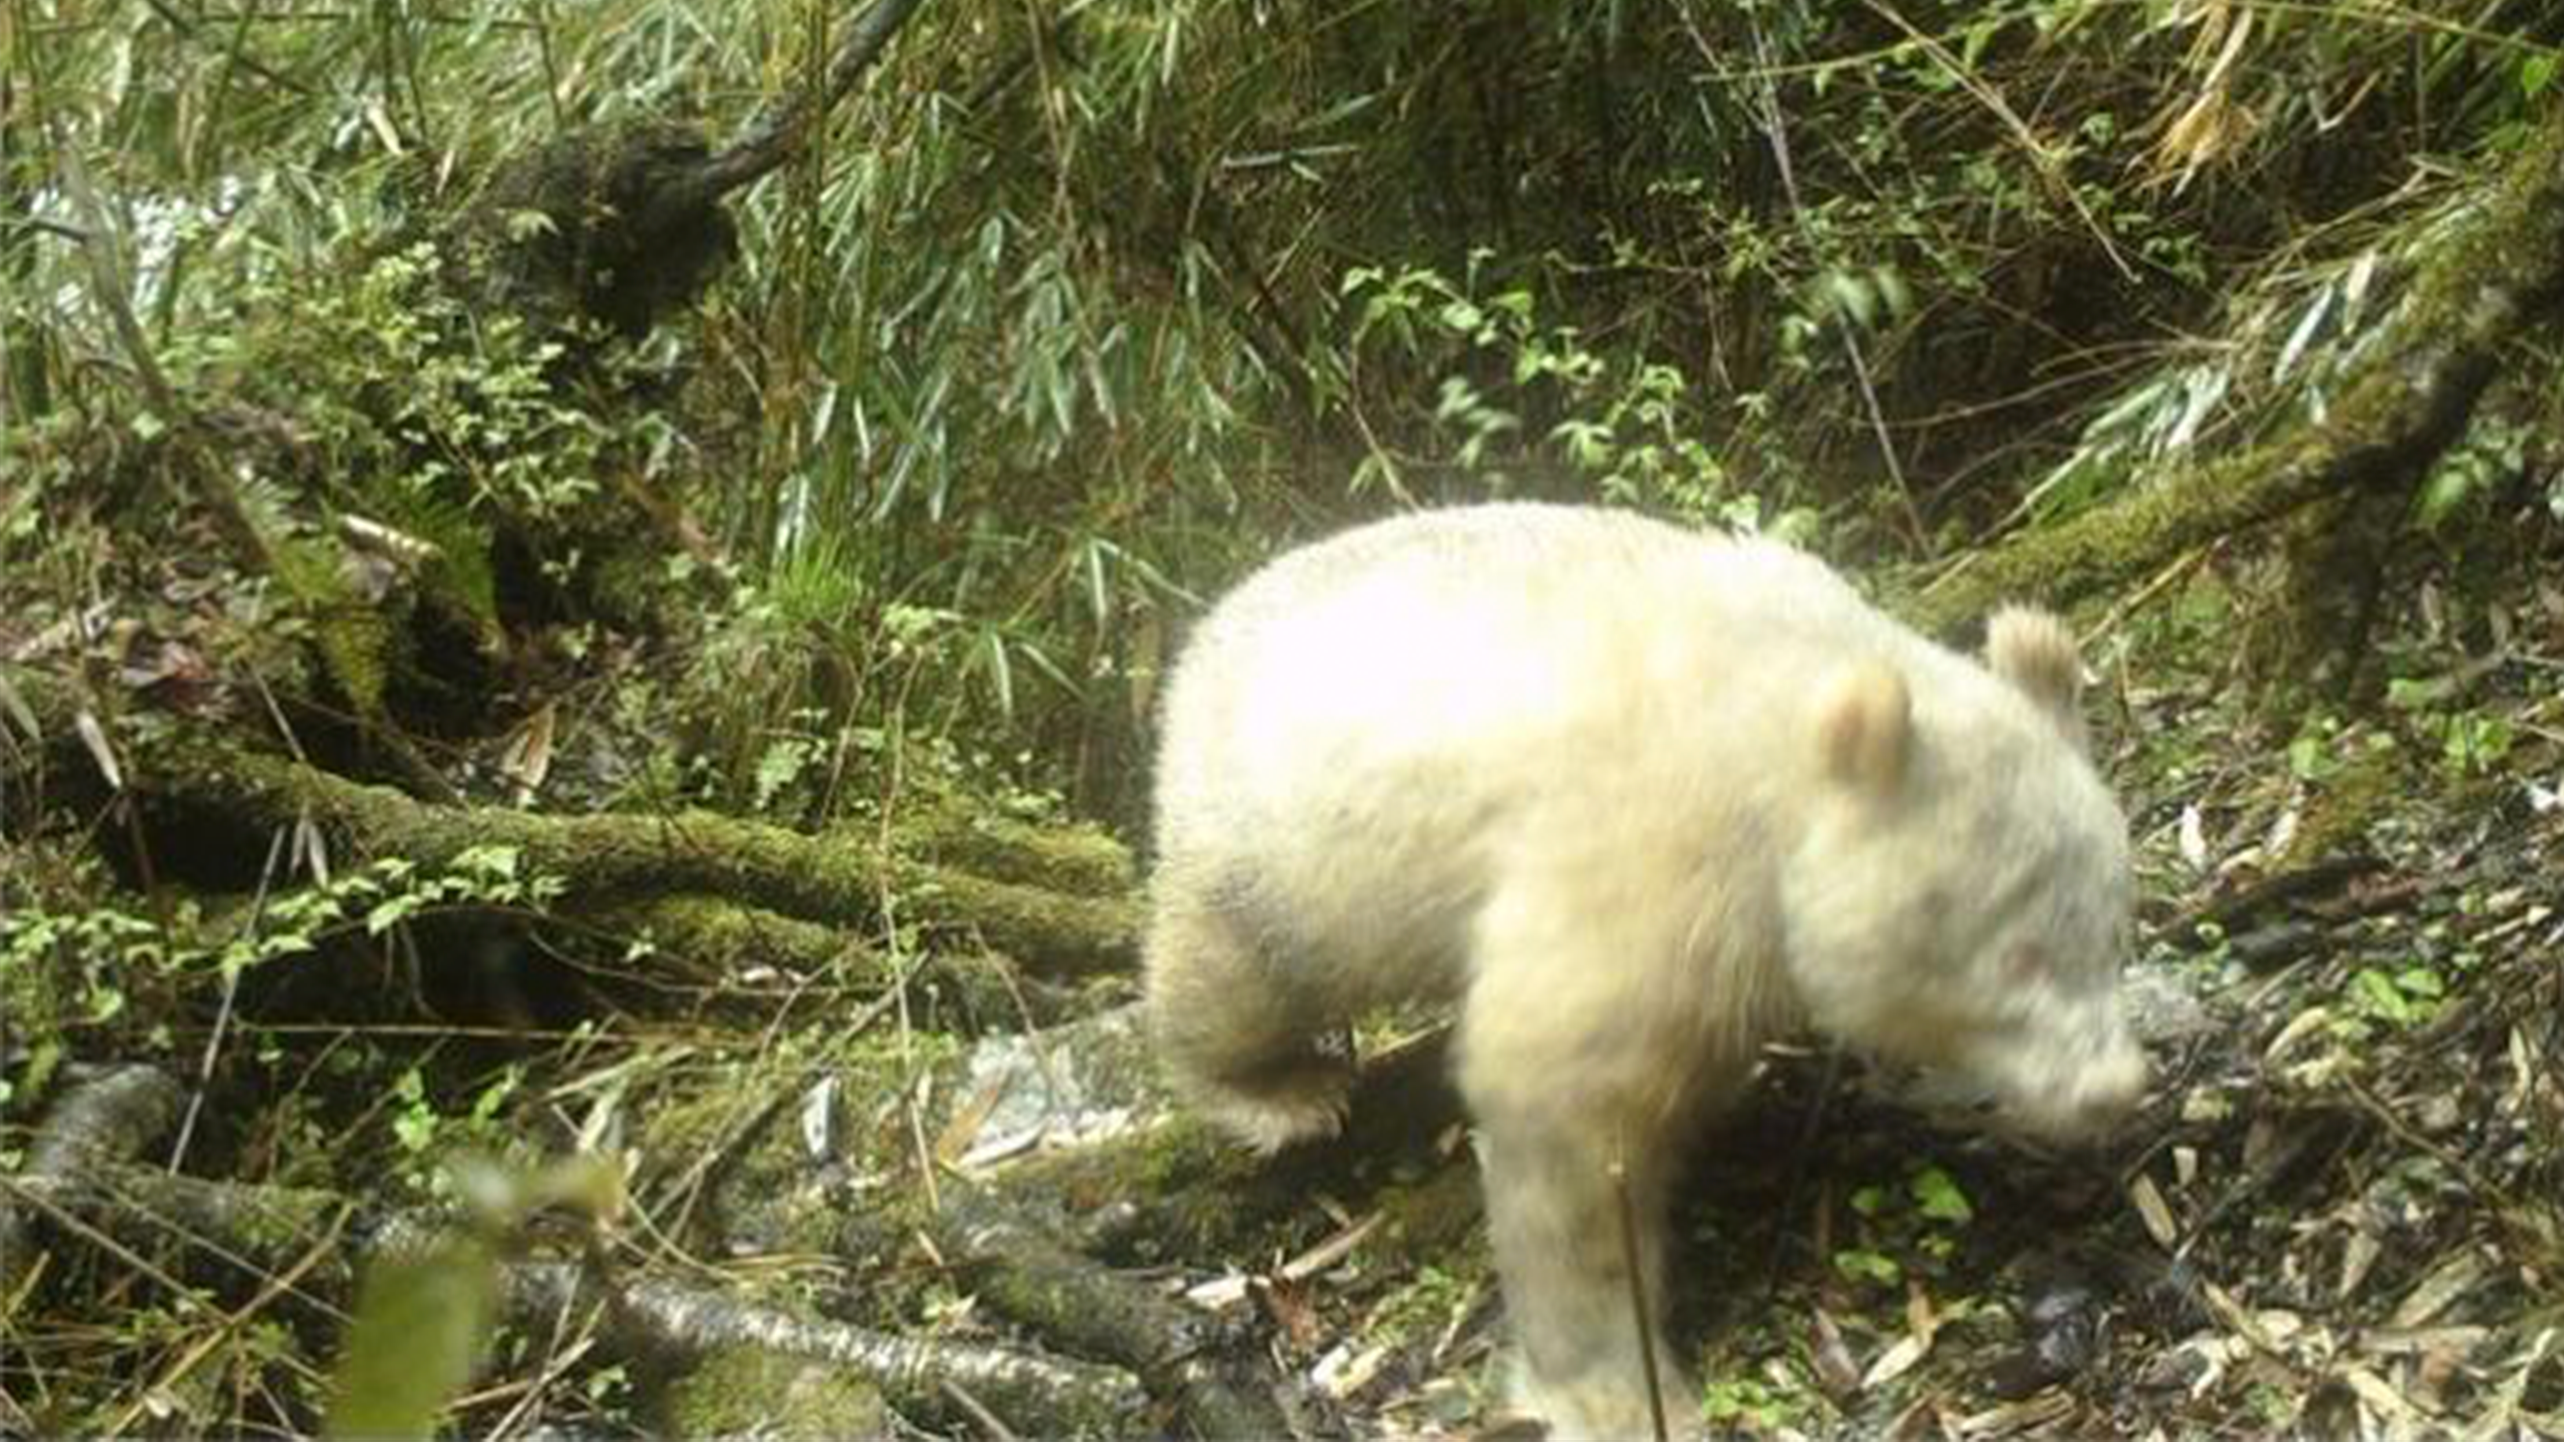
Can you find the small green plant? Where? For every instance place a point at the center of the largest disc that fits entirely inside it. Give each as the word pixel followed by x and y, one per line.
pixel 2314 753
pixel 2399 998
pixel 2472 743
pixel 64 973
pixel 1630 425
pixel 1748 1402
pixel 2491 454
pixel 1857 1264
pixel 2475 744
pixel 426 1135
pixel 1425 1305
pixel 445 412
pixel 1938 1197
pixel 785 761
pixel 1918 1221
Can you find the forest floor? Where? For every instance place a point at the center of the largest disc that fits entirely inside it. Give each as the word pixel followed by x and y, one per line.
pixel 2336 1214
pixel 570 718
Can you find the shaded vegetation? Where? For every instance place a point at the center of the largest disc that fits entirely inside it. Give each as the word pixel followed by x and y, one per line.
pixel 588 582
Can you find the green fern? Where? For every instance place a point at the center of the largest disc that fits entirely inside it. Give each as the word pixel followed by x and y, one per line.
pixel 350 636
pixel 463 571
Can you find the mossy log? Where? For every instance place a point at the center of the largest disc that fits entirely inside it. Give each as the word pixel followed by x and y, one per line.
pixel 106 1116
pixel 1024 1271
pixel 247 1235
pixel 1039 1394
pixel 2408 400
pixel 189 780
pixel 719 938
pixel 80 1182
pixel 1181 1189
pixel 635 855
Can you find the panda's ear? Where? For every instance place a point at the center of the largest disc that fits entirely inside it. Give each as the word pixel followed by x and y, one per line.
pixel 2035 652
pixel 1865 731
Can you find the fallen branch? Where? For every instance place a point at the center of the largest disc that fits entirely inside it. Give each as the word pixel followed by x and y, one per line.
pixel 720 938
pixel 257 1231
pixel 110 1116
pixel 635 855
pixel 1180 1188
pixel 191 778
pixel 1052 1396
pixel 109 1113
pixel 2409 400
pixel 1023 1271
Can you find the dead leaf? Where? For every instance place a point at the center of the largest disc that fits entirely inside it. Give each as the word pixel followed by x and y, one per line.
pixel 311 849
pixel 819 1140
pixel 2194 838
pixel 1218 1294
pixel 172 667
pixel 2310 1022
pixel 2438 1360
pixel 2432 1295
pixel 2458 1343
pixel 94 736
pixel 1287 1303
pixel 1836 1372
pixel 1920 1317
pixel 2358 1255
pixel 2283 832
pixel 1896 1361
pixel 2497 1418
pixel 14 707
pixel 527 758
pixel 1923 1417
pixel 968 1118
pixel 1331 1251
pixel 2154 1211
pixel 2012 1418
pixel 1343 1371
pixel 2402 1418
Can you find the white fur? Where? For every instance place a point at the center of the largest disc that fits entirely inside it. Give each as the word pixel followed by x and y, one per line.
pixel 1636 799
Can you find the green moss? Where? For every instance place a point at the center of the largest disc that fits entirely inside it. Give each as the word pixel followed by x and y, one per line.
pixel 628 583
pixel 2409 400
pixel 1070 933
pixel 721 937
pixel 1434 1213
pixel 961 833
pixel 1430 1300
pixel 827 880
pixel 763 1185
pixel 748 1391
pixel 1174 1189
pixel 2365 790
